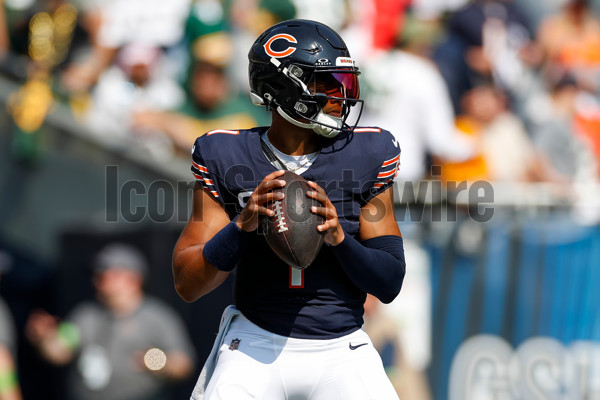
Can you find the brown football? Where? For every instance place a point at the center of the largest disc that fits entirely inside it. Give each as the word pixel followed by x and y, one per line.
pixel 292 232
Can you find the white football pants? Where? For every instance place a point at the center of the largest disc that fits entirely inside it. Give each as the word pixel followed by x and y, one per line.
pixel 256 364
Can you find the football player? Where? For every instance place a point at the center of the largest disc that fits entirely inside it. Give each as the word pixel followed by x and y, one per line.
pixel 295 334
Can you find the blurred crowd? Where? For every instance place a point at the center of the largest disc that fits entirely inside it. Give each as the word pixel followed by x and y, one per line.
pixel 483 88
pixel 486 89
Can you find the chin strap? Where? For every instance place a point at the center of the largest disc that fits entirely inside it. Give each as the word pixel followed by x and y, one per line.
pixel 324 124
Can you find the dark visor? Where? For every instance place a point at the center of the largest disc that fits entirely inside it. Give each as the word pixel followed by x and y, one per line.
pixel 336 84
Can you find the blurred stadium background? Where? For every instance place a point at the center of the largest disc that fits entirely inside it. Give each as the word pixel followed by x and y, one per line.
pixel 101 102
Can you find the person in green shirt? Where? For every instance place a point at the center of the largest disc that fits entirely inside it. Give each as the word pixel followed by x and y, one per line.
pixel 211 103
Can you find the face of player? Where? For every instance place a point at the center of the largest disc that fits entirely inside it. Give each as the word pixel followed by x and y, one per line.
pixel 340 85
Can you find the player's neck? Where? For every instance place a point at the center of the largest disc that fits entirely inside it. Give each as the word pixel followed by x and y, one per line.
pixel 291 139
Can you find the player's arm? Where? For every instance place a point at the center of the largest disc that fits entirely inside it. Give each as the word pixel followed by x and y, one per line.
pixel 194 276
pixel 375 264
pixel 377 217
pixel 210 245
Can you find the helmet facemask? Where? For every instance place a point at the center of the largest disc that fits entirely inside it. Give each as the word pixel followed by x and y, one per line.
pixel 325 99
pixel 337 93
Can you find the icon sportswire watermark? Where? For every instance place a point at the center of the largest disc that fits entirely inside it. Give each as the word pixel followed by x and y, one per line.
pixel 431 200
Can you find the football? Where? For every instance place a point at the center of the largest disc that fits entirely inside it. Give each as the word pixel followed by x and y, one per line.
pixel 292 232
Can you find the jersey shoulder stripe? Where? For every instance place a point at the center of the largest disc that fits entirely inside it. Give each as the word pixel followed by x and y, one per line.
pixel 216 151
pixel 383 150
pixel 391 161
pixel 361 130
pixel 199 167
pixel 225 131
pixel 387 174
pixel 206 181
pixel 204 178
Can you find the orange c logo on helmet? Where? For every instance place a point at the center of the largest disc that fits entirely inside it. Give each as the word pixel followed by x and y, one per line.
pixel 283 53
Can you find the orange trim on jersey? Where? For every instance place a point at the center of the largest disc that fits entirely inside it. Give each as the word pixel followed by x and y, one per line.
pixel 386 174
pixel 214 193
pixel 205 180
pixel 390 161
pixel 228 132
pixel 360 130
pixel 199 167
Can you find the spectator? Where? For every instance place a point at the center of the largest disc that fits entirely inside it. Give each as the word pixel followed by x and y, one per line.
pixel 9 383
pixel 212 102
pixel 114 342
pixel 559 129
pixel 570 40
pixel 506 151
pixel 486 39
pixel 136 83
pixel 408 92
pixel 154 23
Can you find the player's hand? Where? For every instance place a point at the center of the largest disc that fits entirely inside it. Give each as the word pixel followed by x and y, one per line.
pixel 334 234
pixel 249 217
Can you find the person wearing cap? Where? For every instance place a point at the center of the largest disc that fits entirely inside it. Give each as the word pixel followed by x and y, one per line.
pixel 212 100
pixel 138 81
pixel 9 383
pixel 127 345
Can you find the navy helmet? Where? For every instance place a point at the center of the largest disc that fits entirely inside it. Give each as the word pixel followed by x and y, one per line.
pixel 303 70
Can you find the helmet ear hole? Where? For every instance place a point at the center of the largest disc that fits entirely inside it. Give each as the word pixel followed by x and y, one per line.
pixel 301 108
pixel 296 71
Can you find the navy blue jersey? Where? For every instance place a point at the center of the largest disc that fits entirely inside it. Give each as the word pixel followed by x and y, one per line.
pixel 318 302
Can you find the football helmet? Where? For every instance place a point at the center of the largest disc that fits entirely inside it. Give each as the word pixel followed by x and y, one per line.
pixel 303 70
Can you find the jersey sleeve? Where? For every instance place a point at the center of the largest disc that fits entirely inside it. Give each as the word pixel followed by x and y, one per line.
pixel 389 164
pixel 203 170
